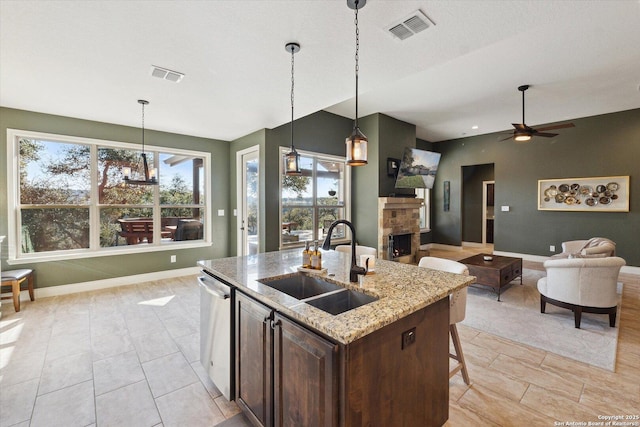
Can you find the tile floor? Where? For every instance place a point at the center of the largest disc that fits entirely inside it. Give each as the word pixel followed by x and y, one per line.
pixel 128 356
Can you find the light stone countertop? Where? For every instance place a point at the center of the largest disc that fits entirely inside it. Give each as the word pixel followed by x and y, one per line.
pixel 402 289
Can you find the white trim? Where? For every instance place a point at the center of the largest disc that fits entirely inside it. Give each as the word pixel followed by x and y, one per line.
pixel 526 257
pixel 118 250
pixel 443 247
pixel 485 184
pixel 474 244
pixel 52 291
pixel 240 199
pixel 346 188
pixel 13 204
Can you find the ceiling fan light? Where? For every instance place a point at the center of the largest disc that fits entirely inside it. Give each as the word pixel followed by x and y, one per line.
pixel 357 148
pixel 522 137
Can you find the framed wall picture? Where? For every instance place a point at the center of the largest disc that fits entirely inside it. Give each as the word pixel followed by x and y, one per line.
pixel 392 166
pixel 596 194
pixel 447 195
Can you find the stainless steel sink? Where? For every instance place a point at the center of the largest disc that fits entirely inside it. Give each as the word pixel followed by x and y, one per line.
pixel 315 291
pixel 301 286
pixel 340 302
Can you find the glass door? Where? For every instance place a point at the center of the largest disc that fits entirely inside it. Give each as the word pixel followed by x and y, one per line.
pixel 248 200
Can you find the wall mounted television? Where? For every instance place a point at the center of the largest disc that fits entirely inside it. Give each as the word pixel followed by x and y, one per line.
pixel 417 169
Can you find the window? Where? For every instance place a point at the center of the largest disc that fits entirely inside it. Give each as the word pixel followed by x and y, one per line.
pixel 312 201
pixel 425 218
pixel 69 197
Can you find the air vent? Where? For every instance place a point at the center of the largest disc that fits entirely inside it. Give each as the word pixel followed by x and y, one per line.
pixel 412 24
pixel 163 73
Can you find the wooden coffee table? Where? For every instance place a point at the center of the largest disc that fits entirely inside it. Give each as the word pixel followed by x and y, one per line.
pixel 497 273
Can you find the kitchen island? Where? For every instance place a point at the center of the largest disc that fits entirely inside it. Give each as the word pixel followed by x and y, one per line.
pixel 382 363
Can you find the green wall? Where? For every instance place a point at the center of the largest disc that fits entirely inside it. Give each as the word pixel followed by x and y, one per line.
pixel 604 145
pixel 321 132
pixel 387 137
pixel 55 273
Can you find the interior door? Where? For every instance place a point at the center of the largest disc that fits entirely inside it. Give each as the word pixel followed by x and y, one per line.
pixel 248 200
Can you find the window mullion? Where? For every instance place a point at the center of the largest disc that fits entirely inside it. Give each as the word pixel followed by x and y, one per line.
pixel 94 212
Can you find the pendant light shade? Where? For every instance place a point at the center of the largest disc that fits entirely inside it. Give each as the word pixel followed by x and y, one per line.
pixel 357 142
pixel 150 175
pixel 357 148
pixel 292 158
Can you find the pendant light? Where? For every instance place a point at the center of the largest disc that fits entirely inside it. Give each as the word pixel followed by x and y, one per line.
pixel 292 158
pixel 357 142
pixel 149 177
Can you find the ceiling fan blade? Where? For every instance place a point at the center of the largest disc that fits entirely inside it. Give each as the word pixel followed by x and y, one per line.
pixel 520 126
pixel 561 126
pixel 504 139
pixel 546 135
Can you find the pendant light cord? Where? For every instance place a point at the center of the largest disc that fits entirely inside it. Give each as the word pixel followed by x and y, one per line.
pixel 355 125
pixel 523 122
pixel 292 64
pixel 142 127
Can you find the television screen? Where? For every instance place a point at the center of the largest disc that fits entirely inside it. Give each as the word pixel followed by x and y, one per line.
pixel 417 169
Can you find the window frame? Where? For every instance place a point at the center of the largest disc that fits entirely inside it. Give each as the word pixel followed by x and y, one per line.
pixel 14 206
pixel 315 206
pixel 425 208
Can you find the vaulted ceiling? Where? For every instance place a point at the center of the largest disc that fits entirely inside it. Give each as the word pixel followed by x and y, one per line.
pixel 92 60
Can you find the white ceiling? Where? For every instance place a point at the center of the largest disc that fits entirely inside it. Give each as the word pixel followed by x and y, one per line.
pixel 92 60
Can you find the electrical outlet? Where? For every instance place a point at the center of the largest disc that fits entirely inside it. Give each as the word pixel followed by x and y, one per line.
pixel 173 258
pixel 408 337
pixel 552 248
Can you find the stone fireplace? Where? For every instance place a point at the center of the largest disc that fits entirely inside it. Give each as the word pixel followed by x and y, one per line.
pixel 399 228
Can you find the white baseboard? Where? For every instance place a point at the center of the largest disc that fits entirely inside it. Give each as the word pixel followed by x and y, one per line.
pixel 473 244
pixel 73 288
pixel 442 247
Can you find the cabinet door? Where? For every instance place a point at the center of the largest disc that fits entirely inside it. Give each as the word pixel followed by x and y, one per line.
pixel 254 360
pixel 305 377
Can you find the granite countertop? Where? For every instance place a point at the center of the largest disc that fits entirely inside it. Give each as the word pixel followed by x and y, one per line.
pixel 401 288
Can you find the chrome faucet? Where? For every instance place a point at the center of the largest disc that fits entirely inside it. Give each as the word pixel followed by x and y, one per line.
pixel 355 270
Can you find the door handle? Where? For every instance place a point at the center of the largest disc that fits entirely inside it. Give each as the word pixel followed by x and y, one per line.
pixel 213 292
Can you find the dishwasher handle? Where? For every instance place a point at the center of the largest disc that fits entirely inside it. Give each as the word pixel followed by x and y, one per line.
pixel 207 288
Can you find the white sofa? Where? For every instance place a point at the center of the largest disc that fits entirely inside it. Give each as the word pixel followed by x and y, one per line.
pixel 582 285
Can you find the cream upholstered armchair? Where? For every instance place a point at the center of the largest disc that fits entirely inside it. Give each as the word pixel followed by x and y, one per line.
pixel 457 308
pixel 582 285
pixel 594 248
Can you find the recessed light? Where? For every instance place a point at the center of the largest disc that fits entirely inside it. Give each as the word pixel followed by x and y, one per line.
pixel 474 127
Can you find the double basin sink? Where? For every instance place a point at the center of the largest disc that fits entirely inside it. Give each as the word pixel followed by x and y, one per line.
pixel 319 293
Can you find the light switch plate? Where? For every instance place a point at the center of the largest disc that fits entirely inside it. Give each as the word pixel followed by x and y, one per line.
pixel 220 212
pixel 505 208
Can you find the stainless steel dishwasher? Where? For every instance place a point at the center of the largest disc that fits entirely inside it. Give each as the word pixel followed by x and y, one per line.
pixel 216 332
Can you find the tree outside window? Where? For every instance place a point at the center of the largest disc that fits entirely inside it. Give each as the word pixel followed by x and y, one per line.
pixel 72 196
pixel 312 201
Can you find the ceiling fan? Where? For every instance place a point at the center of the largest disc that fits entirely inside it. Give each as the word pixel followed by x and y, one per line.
pixel 523 132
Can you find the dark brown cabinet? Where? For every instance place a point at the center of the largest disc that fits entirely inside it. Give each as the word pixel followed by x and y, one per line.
pixel 285 374
pixel 305 376
pixel 289 375
pixel 254 360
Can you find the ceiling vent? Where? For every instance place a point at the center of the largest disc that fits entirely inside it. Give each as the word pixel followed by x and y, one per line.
pixel 412 24
pixel 163 73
